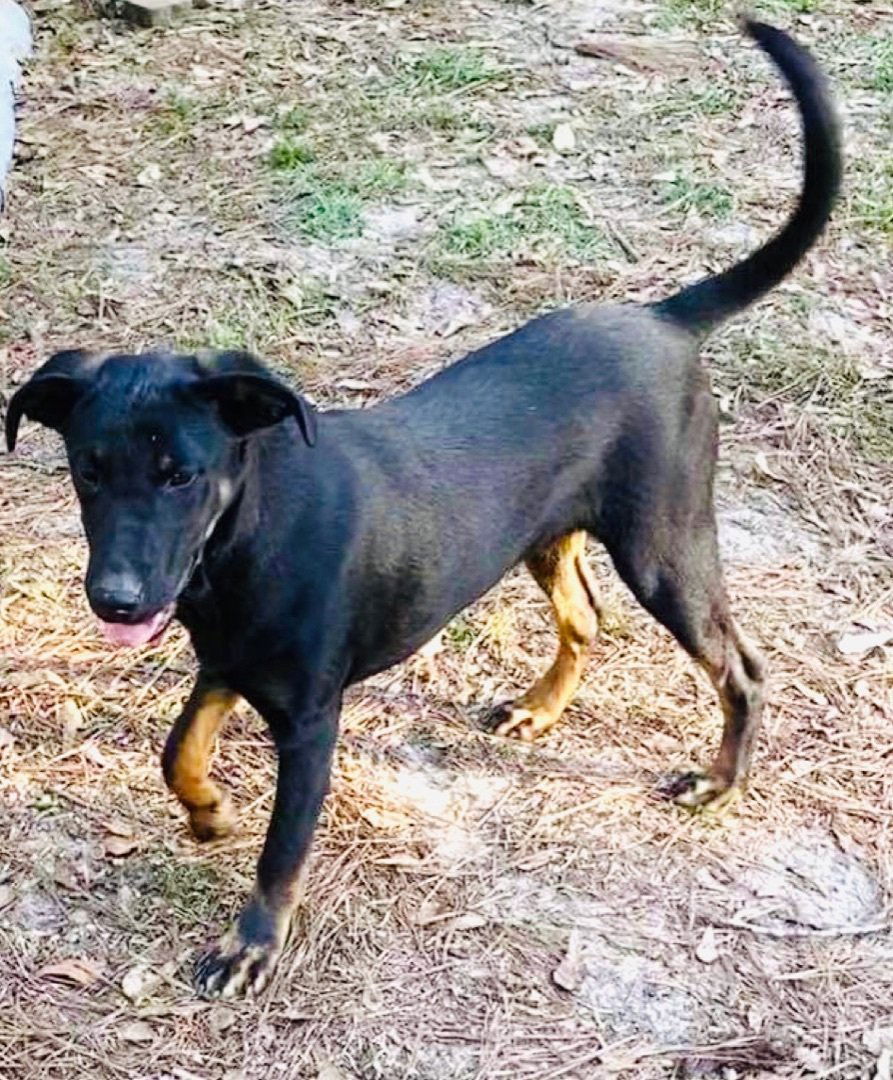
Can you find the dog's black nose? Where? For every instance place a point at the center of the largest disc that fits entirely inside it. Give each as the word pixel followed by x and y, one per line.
pixel 116 597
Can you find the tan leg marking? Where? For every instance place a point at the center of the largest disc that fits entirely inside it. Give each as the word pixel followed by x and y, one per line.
pixel 561 571
pixel 185 761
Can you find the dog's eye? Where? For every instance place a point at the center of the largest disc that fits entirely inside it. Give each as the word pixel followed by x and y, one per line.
pixel 179 478
pixel 87 472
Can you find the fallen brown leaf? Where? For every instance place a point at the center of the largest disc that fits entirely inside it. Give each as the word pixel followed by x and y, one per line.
pixel 75 971
pixel 570 973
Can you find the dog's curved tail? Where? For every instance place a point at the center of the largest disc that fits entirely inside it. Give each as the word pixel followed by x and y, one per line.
pixel 702 306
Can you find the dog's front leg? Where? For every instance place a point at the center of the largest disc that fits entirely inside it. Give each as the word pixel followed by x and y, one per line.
pixel 185 758
pixel 244 959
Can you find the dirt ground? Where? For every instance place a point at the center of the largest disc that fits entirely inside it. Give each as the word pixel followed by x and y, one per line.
pixel 362 191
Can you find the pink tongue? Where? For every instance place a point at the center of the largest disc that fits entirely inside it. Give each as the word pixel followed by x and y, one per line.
pixel 130 636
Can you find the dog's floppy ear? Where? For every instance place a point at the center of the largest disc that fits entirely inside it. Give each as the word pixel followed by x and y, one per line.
pixel 51 393
pixel 248 397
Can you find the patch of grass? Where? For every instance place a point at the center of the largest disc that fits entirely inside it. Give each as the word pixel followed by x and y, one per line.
pixel 376 178
pixel 703 101
pixel 481 237
pixel 225 333
pixel 542 131
pixel 460 634
pixel 881 64
pixel 710 200
pixel 66 39
pixel 871 196
pixel 440 114
pixel 311 304
pixel 450 68
pixel 698 12
pixel 180 117
pixel 798 370
pixel 287 154
pixel 798 7
pixel 702 12
pixel 548 217
pixel 294 120
pixel 327 204
pixel 326 212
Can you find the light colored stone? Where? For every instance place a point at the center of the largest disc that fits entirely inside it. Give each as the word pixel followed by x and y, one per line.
pixel 154 12
pixel 15 46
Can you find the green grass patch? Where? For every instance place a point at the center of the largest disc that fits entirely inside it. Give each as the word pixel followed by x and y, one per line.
pixel 223 333
pixel 688 104
pixel 880 64
pixel 287 154
pixel 701 13
pixel 482 237
pixel 547 220
pixel 871 195
pixel 685 194
pixel 794 368
pixel 460 634
pixel 327 202
pixel 450 68
pixel 325 212
pixel 179 117
pixel 440 114
pixel 293 120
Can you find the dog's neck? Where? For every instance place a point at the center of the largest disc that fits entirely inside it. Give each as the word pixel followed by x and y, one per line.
pixel 234 522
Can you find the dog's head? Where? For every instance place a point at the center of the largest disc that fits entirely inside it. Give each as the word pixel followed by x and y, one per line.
pixel 156 445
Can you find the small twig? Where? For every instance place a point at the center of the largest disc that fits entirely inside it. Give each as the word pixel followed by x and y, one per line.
pixel 806 931
pixel 39 466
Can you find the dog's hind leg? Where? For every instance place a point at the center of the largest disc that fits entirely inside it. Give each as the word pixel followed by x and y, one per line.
pixel 683 589
pixel 561 571
pixel 185 759
pixel 664 545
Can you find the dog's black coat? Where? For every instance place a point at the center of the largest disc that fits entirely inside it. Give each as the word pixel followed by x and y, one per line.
pixel 305 556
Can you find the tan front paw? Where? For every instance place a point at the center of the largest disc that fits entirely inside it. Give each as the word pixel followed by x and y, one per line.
pixel 214 821
pixel 518 722
pixel 699 791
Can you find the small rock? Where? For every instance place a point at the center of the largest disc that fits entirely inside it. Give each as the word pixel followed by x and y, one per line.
pixel 138 1031
pixel 71 721
pixel 470 921
pixel 860 642
pixel 570 972
pixel 563 138
pixel 138 983
pixel 220 1018
pixel 878 1039
pixel 116 847
pixel 154 12
pixel 150 175
pixel 706 950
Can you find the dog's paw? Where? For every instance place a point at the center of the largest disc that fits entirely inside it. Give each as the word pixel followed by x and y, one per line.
pixel 698 791
pixel 213 822
pixel 511 721
pixel 234 967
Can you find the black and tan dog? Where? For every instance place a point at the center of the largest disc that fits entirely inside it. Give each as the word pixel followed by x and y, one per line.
pixel 304 552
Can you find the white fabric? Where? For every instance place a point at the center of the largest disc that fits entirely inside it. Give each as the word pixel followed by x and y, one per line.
pixel 15 46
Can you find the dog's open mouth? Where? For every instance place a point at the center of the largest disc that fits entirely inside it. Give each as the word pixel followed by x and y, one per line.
pixel 132 635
